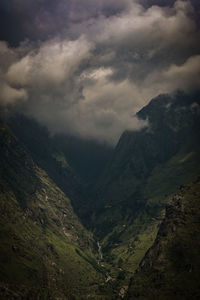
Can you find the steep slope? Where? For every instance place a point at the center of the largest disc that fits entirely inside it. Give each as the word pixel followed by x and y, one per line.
pixel 171 268
pixel 148 166
pixel 48 155
pixel 72 163
pixel 45 252
pixel 173 129
pixel 124 209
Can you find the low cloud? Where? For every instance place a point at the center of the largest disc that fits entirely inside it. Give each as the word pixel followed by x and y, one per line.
pixel 107 62
pixel 53 63
pixel 186 75
pixel 10 95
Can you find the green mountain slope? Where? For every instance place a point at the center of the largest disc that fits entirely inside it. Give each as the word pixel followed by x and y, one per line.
pixel 48 155
pixel 72 163
pixel 173 128
pixel 45 252
pixel 43 242
pixel 171 268
pixel 147 168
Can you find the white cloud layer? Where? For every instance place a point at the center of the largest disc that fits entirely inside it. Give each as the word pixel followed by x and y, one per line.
pixel 94 78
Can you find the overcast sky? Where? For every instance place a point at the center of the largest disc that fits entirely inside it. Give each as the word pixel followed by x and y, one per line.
pixel 85 67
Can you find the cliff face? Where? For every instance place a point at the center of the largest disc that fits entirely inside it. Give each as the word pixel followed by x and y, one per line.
pixel 171 267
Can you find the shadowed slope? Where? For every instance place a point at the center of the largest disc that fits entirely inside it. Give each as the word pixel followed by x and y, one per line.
pixel 171 268
pixel 45 252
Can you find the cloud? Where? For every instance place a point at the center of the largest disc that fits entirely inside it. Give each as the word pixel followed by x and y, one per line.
pixel 186 76
pixel 10 95
pixel 95 64
pixel 54 62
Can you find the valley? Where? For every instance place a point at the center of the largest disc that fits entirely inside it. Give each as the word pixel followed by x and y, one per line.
pixel 78 218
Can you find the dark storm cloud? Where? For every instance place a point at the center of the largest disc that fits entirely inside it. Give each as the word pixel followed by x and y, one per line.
pixel 90 65
pixel 43 19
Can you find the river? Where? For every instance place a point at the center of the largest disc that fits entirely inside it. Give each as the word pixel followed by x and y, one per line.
pixel 100 251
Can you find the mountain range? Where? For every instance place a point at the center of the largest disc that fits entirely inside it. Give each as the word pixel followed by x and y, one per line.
pixel 84 220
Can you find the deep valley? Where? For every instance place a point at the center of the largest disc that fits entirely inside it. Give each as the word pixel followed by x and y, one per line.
pixel 84 220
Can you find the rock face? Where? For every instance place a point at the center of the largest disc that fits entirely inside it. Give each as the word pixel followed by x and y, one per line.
pixel 171 267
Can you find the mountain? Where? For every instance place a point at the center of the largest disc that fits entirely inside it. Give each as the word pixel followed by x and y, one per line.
pixel 87 158
pixel 72 163
pixel 45 252
pixel 171 267
pixel 48 155
pixel 147 167
pixel 52 187
pixel 173 133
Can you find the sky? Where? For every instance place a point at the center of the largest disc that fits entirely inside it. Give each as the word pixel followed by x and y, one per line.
pixel 85 67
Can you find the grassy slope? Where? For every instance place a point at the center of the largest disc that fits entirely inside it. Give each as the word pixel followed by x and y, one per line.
pixel 127 244
pixel 171 268
pixel 147 168
pixel 45 252
pixel 137 236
